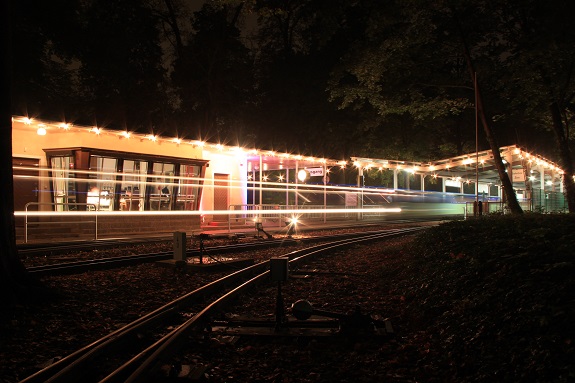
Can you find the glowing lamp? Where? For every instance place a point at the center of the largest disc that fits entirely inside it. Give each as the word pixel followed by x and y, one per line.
pixel 302 175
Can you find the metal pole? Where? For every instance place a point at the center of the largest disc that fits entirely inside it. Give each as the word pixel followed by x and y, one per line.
pixel 476 142
pixel 324 190
pixel 26 226
pixel 287 186
pixel 261 180
pixel 296 180
pixel 254 187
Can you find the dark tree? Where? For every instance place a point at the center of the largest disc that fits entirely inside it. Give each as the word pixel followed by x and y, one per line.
pixel 299 42
pixel 121 74
pixel 213 75
pixel 44 37
pixel 536 54
pixel 415 60
pixel 15 282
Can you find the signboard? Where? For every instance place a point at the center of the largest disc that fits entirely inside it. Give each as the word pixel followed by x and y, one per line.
pixel 314 172
pixel 518 176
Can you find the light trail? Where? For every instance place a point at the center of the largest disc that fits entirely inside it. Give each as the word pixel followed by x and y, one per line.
pixel 181 181
pixel 204 212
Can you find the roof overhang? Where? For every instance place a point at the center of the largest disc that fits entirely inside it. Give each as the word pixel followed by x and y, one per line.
pixel 470 166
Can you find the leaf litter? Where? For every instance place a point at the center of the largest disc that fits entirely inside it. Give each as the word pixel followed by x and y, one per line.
pixel 482 300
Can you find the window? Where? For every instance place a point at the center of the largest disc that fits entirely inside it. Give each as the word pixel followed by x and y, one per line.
pixel 101 186
pixel 162 186
pixel 64 183
pixel 189 186
pixel 133 185
pixel 96 179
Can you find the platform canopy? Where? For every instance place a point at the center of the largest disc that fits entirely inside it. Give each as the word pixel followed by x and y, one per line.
pixel 268 160
pixel 522 166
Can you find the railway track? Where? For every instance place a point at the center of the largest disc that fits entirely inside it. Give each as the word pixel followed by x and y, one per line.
pixel 79 266
pixel 66 247
pixel 138 348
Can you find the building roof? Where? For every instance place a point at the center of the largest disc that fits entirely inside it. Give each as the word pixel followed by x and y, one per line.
pixel 523 164
pixel 271 160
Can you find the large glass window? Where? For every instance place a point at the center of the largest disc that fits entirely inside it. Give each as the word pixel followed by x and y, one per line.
pixel 162 186
pixel 64 184
pixel 189 187
pixel 133 185
pixel 102 183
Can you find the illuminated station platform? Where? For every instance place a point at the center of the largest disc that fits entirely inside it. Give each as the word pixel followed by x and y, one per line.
pixel 121 179
pixel 532 176
pixel 537 181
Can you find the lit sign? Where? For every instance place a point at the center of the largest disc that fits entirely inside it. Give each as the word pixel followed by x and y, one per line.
pixel 518 176
pixel 313 172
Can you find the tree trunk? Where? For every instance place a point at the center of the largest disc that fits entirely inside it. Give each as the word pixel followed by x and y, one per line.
pixel 507 186
pixel 510 195
pixel 565 154
pixel 14 279
pixel 173 23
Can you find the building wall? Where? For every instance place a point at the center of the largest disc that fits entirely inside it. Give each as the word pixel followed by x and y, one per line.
pixel 27 143
pixel 52 228
pixel 232 164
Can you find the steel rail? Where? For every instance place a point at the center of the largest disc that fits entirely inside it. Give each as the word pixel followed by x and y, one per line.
pixel 62 247
pixel 167 346
pixel 120 261
pixel 95 264
pixel 73 363
pixel 55 248
pixel 71 367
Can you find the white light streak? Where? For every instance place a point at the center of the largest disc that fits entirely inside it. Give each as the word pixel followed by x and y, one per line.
pixel 301 212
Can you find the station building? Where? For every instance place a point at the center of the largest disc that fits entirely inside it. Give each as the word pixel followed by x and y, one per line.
pixel 126 177
pixel 537 182
pixel 65 172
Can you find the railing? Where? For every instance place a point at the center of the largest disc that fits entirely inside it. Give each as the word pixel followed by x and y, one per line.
pixel 499 207
pixel 274 212
pixel 28 213
pixel 245 213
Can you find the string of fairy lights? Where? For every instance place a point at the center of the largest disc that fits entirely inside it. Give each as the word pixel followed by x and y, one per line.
pixel 432 167
pixel 43 128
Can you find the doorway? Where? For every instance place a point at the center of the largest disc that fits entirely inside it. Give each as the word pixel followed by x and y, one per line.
pixel 26 176
pixel 221 195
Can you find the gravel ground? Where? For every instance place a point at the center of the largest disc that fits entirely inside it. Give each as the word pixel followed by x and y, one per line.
pixel 90 305
pixel 480 301
pixel 347 279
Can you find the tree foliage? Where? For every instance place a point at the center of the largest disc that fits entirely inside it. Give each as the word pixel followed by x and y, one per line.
pixel 42 40
pixel 420 60
pixel 538 60
pixel 120 71
pixel 213 75
pixel 334 78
